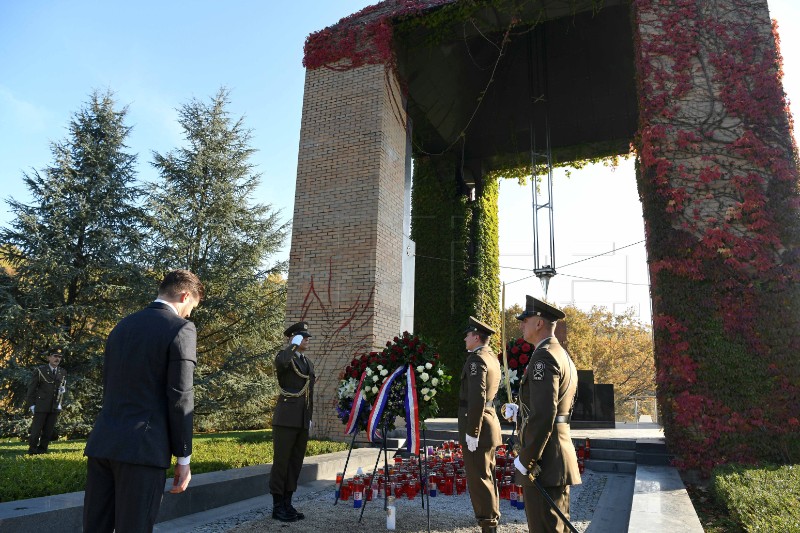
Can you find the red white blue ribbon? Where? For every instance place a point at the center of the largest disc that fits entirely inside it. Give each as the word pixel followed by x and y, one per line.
pixel 412 412
pixel 380 403
pixel 359 402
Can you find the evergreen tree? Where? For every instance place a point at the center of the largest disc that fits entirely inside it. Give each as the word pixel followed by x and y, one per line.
pixel 69 259
pixel 204 219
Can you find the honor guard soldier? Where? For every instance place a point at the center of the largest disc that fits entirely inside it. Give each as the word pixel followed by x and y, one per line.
pixel 546 397
pixel 478 426
pixel 291 420
pixel 45 393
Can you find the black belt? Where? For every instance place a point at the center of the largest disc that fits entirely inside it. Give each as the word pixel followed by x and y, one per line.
pixel 464 403
pixel 562 419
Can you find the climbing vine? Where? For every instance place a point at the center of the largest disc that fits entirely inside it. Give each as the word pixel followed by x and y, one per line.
pixel 718 180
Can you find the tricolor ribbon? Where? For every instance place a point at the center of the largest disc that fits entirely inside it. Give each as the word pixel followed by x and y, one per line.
pixel 380 403
pixel 359 402
pixel 412 412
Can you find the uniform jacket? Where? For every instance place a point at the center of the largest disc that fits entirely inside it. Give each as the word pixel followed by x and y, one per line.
pixel 480 379
pixel 548 389
pixel 43 389
pixel 148 390
pixel 290 411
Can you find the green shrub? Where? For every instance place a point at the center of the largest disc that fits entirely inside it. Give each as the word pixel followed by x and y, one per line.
pixel 63 470
pixel 760 498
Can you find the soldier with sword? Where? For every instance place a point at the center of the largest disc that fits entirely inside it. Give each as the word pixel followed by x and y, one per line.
pixel 546 460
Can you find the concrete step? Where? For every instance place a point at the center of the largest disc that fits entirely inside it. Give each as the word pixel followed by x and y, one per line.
pixel 628 456
pixel 600 465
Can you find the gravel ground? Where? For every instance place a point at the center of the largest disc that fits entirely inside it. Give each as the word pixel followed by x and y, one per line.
pixel 447 513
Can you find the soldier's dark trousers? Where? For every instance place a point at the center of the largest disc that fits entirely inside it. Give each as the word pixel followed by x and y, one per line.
pixel 479 467
pixel 41 431
pixel 539 512
pixel 290 450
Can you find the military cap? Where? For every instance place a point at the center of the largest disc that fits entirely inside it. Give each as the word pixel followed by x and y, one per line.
pixel 301 328
pixel 536 307
pixel 478 327
pixel 52 351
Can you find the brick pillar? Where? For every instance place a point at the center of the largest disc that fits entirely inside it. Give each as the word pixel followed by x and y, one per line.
pixel 347 235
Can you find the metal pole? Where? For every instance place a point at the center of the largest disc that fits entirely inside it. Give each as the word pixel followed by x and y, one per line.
pixel 554 506
pixel 385 468
pixel 344 472
pixel 374 469
pixel 426 493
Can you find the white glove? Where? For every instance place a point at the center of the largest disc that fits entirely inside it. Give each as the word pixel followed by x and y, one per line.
pixel 33 409
pixel 62 389
pixel 472 443
pixel 297 339
pixel 59 407
pixel 510 411
pixel 518 465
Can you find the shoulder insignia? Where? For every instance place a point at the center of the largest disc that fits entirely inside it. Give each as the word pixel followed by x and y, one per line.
pixel 538 370
pixel 473 369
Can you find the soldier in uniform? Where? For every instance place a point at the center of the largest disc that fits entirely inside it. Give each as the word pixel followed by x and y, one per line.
pixel 546 396
pixel 478 426
pixel 291 420
pixel 45 392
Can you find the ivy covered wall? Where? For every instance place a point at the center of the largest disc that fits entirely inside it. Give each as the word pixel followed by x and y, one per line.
pixel 457 263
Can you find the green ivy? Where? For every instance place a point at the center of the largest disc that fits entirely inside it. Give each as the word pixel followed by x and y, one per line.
pixel 457 264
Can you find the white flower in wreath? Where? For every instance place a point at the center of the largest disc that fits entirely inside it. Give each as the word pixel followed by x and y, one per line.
pixel 512 376
pixel 435 381
pixel 425 391
pixel 384 372
pixel 424 376
pixel 420 369
pixel 380 367
pixel 440 372
pixel 369 371
pixel 432 393
pixel 426 398
pixel 428 366
pixel 375 378
pixel 374 390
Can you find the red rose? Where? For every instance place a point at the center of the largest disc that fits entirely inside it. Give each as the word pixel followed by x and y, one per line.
pixel 515 350
pixel 512 363
pixel 526 347
pixel 419 349
pixel 413 358
pixel 354 374
pixel 523 359
pixel 393 358
pixel 436 356
pixel 388 344
pixel 396 339
pixel 519 341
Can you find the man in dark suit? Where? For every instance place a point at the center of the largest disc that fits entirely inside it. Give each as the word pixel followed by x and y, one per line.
pixel 45 392
pixel 148 406
pixel 291 420
pixel 478 426
pixel 546 395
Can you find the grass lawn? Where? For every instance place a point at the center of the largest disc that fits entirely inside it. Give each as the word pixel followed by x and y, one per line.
pixel 63 469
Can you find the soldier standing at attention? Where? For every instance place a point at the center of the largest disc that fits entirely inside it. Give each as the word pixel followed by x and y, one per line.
pixel 478 425
pixel 291 421
pixel 546 395
pixel 44 400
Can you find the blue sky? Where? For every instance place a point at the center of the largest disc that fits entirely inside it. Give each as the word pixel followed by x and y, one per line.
pixel 157 55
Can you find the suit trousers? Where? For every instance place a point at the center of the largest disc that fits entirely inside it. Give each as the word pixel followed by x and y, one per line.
pixel 121 497
pixel 479 467
pixel 42 430
pixel 290 450
pixel 539 512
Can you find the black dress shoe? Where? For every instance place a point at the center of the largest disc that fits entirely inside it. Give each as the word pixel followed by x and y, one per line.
pixel 279 512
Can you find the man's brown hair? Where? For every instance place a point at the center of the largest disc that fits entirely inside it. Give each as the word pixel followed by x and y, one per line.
pixel 178 281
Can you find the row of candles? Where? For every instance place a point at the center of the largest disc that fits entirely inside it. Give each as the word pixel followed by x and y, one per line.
pixel 445 476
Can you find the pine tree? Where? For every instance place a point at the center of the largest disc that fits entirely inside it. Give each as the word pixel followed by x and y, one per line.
pixel 204 219
pixel 70 258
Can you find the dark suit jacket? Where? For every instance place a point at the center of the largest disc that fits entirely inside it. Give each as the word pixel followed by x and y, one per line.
pixel 148 395
pixel 480 379
pixel 289 411
pixel 547 389
pixel 43 389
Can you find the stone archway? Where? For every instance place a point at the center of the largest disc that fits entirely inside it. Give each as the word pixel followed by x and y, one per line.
pixel 694 85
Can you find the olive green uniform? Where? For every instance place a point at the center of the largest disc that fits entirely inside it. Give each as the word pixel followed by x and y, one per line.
pixel 480 379
pixel 291 419
pixel 546 396
pixel 44 396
